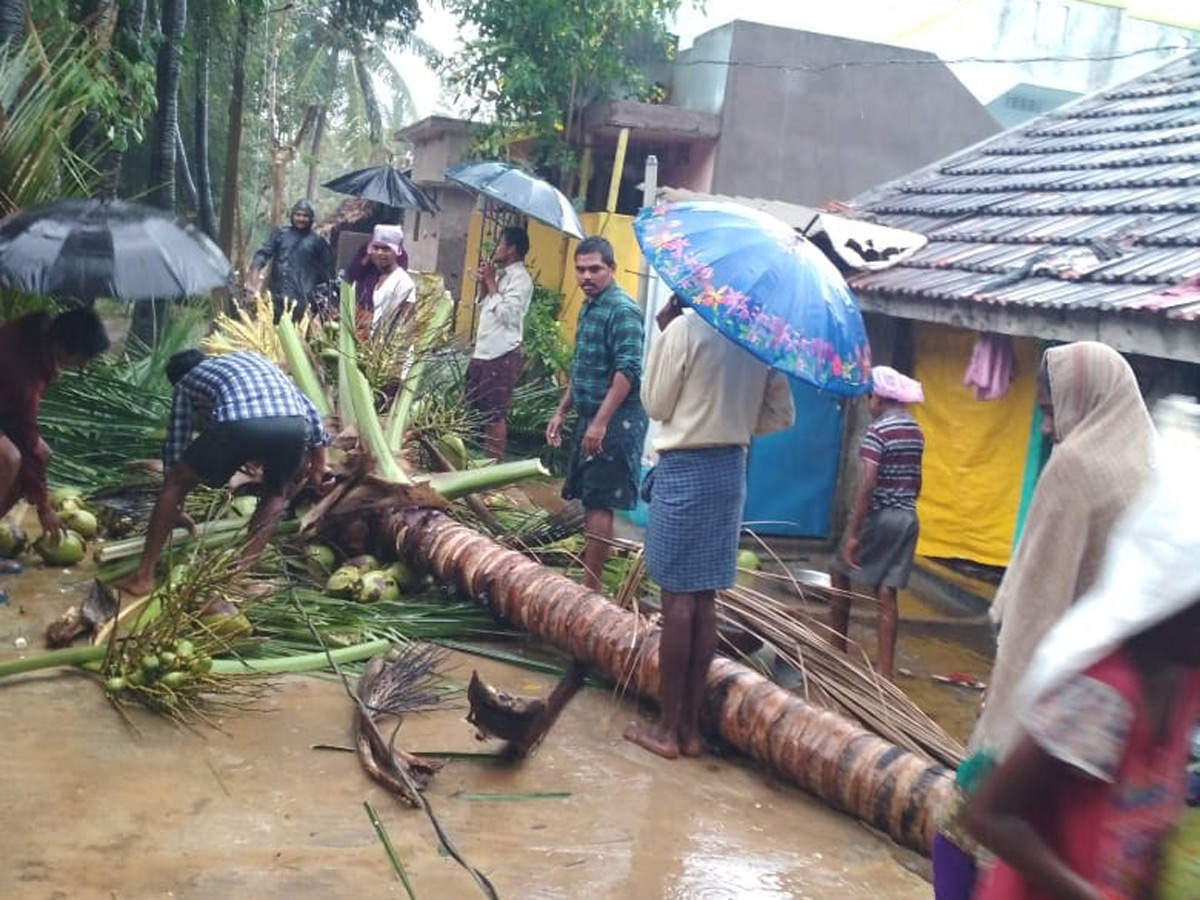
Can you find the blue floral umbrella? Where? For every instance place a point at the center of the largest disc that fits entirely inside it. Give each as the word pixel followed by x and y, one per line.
pixel 763 286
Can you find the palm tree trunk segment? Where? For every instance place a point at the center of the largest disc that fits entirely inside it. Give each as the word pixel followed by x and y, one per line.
pixel 816 749
pixel 237 94
pixel 170 60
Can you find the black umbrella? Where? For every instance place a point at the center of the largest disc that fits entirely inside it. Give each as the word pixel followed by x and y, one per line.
pixel 385 185
pixel 525 193
pixel 84 249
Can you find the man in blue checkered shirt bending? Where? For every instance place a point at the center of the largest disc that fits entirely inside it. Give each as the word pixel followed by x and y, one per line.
pixel 246 410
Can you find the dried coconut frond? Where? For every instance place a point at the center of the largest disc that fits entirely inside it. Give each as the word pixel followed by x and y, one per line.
pixel 842 681
pixel 251 326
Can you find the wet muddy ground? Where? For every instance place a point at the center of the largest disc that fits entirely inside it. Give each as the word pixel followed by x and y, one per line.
pixel 96 809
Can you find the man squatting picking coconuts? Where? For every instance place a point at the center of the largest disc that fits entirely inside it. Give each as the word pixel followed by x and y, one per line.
pixel 246 410
pixel 33 350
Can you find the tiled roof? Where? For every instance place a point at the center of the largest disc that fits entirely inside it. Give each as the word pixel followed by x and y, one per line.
pixel 1095 206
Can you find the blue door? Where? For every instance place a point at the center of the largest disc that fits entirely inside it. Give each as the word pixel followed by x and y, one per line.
pixel 792 475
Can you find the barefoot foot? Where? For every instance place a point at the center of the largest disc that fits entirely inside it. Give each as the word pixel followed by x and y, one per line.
pixel 134 585
pixel 654 739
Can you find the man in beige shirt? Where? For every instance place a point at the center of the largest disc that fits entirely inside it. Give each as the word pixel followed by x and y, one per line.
pixel 496 363
pixel 709 397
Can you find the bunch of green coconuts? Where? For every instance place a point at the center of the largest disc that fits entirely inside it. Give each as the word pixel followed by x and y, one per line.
pixel 79 527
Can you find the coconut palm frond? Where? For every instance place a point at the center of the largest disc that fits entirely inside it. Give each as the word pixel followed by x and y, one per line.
pixel 288 619
pixel 250 327
pixel 102 421
pixel 44 101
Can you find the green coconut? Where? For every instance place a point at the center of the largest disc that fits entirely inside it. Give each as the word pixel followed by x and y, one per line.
pixel 66 551
pixel 451 446
pixel 376 586
pixel 82 522
pixel 747 562
pixel 364 561
pixel 748 559
pixel 345 582
pixel 60 495
pixel 228 626
pixel 321 560
pixel 12 539
pixel 405 576
pixel 244 505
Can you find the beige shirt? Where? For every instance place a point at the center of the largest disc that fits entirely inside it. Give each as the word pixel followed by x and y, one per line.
pixel 705 391
pixel 502 314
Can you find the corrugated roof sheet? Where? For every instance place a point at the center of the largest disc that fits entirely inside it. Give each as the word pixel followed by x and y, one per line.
pixel 1093 206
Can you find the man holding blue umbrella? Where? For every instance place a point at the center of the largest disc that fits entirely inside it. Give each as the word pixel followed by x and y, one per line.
pixel 709 397
pixel 604 466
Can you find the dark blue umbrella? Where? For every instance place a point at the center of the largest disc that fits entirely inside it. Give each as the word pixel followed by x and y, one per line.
pixel 84 249
pixel 763 286
pixel 386 185
pixel 525 193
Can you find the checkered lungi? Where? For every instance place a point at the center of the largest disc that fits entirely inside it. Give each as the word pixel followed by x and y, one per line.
pixel 696 500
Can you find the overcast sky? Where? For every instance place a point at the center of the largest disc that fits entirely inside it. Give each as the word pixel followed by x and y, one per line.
pixel 911 23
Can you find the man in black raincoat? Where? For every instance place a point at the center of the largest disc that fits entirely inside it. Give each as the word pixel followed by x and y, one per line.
pixel 301 262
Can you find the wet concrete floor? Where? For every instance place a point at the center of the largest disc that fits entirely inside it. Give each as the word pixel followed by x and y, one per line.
pixel 94 809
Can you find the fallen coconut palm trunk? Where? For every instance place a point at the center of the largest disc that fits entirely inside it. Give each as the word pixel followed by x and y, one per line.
pixel 817 749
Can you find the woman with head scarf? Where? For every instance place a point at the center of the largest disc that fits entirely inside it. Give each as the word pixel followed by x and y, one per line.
pixel 1094 777
pixel 1103 454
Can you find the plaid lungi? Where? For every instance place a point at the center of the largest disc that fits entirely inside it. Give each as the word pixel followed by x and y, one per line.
pixel 696 499
pixel 609 479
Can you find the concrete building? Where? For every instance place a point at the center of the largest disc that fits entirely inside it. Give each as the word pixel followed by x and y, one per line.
pixel 1073 45
pixel 759 111
pixel 1025 101
pixel 437 243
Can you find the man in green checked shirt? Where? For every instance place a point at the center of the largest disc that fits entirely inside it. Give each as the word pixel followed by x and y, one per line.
pixel 604 467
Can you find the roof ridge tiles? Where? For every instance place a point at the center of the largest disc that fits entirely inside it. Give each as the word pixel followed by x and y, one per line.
pixel 1150 140
pixel 1104 127
pixel 1026 167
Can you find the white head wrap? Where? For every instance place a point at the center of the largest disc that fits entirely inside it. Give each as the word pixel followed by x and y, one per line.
pixel 388 235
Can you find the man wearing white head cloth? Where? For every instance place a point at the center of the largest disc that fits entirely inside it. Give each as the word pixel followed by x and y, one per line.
pixel 881 536
pixel 394 293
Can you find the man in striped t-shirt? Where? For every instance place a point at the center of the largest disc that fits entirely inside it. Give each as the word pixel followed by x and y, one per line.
pixel 881 536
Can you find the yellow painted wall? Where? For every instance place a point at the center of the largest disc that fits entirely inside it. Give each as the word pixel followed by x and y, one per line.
pixel 974 450
pixel 551 261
